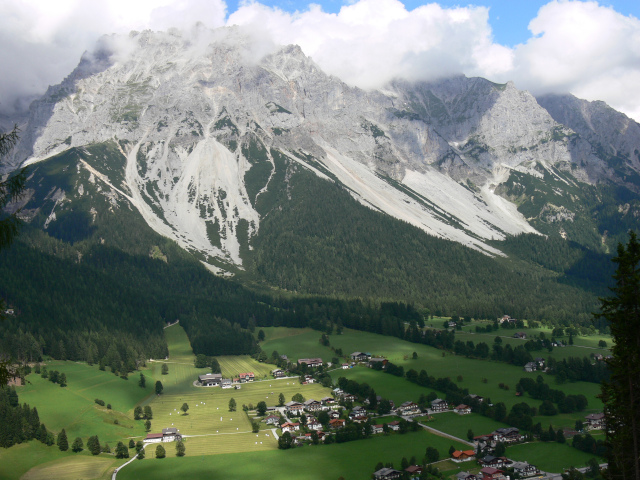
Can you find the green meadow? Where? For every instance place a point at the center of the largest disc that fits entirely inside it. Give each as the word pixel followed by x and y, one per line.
pixel 73 407
pixel 550 457
pixel 350 460
pixel 222 442
pixel 459 425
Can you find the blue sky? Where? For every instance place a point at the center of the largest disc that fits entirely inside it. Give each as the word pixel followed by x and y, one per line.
pixel 509 19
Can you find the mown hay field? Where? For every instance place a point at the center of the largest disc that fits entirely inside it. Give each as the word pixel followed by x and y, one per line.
pixel 209 406
pixel 234 365
pixel 73 468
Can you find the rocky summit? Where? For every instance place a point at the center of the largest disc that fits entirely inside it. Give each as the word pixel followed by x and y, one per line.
pixel 196 131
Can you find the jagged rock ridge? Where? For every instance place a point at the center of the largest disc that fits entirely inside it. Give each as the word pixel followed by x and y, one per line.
pixel 201 124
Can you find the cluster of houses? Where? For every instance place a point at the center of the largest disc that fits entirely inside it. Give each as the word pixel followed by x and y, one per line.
pixel 537 364
pixel 363 357
pixel 167 435
pixel 493 469
pixel 216 380
pixel 505 435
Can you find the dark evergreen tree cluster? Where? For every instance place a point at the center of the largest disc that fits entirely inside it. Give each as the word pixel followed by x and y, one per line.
pixel 574 369
pixel 541 391
pixel 20 423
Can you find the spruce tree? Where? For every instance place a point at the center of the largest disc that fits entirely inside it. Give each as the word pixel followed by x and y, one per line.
pixel 160 452
pixel 621 394
pixel 78 445
pixel 180 449
pixel 63 443
pixel 122 451
pixel 93 445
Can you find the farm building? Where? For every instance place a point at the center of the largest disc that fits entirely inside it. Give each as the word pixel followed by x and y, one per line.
pixel 387 474
pixel 210 379
pixel 373 361
pixel 360 356
pixel 310 362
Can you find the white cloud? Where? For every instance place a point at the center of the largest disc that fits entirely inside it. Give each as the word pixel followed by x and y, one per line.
pixel 584 48
pixel 576 46
pixel 372 41
pixel 42 41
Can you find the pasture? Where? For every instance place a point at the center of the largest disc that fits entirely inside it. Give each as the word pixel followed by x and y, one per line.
pixel 233 365
pixel 72 468
pixel 220 443
pixel 481 377
pixel 550 457
pixel 459 425
pixel 209 406
pixel 296 343
pixel 73 407
pixel 350 460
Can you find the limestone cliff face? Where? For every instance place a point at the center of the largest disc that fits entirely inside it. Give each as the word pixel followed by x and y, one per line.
pixel 204 122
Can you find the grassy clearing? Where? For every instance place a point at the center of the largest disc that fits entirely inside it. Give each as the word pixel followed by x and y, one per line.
pixel 220 444
pixel 459 425
pixel 233 365
pixel 73 407
pixel 550 457
pixel 441 364
pixel 73 468
pixel 296 343
pixel 17 460
pixel 179 346
pixel 351 460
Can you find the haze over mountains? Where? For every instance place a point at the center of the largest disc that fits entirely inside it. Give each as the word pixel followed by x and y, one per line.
pixel 201 130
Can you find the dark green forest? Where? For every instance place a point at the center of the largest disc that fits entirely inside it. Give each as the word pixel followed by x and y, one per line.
pixel 97 284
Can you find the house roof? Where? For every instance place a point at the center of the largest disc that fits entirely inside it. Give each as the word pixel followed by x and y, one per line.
pixel 153 435
pixel 595 416
pixel 462 406
pixel 169 431
pixel 385 471
pixel 413 469
pixel 490 470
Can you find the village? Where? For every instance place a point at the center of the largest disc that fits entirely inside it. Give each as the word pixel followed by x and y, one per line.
pixel 317 421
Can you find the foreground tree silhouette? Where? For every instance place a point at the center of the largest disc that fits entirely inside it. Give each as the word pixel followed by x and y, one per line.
pixel 10 190
pixel 621 394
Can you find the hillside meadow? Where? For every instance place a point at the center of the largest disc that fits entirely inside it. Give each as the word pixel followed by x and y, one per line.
pixel 350 460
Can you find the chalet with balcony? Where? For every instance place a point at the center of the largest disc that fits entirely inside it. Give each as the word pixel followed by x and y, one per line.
pixel 439 405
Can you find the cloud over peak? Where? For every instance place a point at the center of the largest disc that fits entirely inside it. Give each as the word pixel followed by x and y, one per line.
pixel 575 46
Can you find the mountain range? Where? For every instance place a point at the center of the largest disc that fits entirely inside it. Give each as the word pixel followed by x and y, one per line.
pixel 261 166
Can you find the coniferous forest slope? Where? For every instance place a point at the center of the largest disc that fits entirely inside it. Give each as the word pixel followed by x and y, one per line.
pixel 313 201
pixel 101 284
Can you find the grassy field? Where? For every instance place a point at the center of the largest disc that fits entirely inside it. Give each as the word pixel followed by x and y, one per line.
pixel 221 443
pixel 550 457
pixel 73 407
pixel 296 343
pixel 459 425
pixel 440 364
pixel 233 365
pixel 582 347
pixel 352 460
pixel 73 468
pixel 209 406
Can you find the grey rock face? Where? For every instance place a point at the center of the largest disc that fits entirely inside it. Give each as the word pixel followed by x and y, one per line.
pixel 193 115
